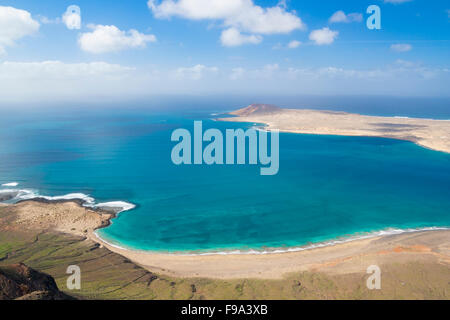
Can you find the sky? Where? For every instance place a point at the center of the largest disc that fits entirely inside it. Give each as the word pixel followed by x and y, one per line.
pixel 54 50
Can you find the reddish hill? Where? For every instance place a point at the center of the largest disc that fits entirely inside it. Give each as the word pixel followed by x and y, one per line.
pixel 254 109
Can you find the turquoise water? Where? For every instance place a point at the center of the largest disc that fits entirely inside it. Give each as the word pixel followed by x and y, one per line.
pixel 328 186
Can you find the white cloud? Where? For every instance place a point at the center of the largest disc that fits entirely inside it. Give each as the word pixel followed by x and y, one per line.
pixel 330 77
pixel 56 80
pixel 72 17
pixel 340 16
pixel 392 79
pixel 271 67
pixel 14 25
pixel 46 20
pixel 277 46
pixel 265 21
pixel 396 1
pixel 237 73
pixel 401 69
pixel 401 47
pixel 269 71
pixel 241 15
pixel 195 9
pixel 404 63
pixel 196 72
pixel 355 16
pixel 111 39
pixel 294 44
pixel 232 37
pixel 323 36
pixel 58 69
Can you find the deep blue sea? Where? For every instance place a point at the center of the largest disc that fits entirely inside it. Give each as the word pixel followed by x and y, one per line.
pixel 328 187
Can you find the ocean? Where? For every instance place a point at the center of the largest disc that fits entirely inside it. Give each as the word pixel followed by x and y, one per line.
pixel 328 188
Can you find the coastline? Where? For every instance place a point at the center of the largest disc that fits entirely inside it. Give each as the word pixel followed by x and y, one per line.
pixel 269 250
pixel 108 211
pixel 344 257
pixel 79 215
pixel 414 266
pixel 336 258
pixel 427 133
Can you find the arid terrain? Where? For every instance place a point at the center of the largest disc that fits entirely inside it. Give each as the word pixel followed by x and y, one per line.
pixel 414 265
pixel 432 134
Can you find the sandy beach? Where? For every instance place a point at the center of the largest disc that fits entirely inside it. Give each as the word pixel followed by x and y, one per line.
pixel 432 134
pixel 350 257
pixel 345 258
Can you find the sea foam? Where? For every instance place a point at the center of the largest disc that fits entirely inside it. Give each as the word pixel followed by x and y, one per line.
pixel 10 184
pixel 116 206
pixel 88 201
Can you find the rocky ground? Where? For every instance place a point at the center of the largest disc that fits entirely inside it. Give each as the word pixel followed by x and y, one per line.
pixel 20 282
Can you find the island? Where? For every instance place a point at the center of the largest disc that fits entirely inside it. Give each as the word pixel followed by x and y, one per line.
pixel 429 133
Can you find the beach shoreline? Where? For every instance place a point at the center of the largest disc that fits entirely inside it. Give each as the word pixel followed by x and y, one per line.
pixel 72 218
pixel 431 134
pixel 266 250
pixel 328 259
pixel 413 266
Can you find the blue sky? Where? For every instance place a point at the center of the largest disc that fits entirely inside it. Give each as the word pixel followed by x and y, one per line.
pixel 221 47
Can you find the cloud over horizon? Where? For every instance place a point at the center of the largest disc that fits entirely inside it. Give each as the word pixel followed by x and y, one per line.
pixel 196 72
pixel 56 80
